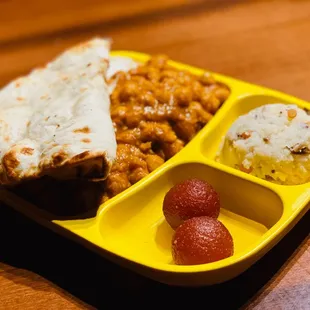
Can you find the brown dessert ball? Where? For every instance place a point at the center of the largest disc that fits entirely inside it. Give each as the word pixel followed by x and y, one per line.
pixel 201 240
pixel 190 198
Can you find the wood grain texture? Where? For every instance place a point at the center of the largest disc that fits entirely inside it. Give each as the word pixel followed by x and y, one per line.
pixel 264 42
pixel 272 51
pixel 291 288
pixel 19 20
pixel 22 289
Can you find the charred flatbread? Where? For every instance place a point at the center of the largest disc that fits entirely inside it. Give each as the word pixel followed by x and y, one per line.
pixel 56 120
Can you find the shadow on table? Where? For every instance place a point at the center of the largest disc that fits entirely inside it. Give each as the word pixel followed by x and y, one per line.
pixel 98 282
pixel 61 200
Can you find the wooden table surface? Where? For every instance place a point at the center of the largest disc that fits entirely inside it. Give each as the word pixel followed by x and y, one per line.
pixel 264 42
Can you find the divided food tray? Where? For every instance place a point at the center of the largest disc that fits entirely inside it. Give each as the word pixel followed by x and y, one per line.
pixel 130 228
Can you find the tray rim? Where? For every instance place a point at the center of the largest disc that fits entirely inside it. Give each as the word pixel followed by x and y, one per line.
pixel 253 89
pixel 274 231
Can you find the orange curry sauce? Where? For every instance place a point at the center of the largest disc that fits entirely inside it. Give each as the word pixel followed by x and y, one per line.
pixel 156 110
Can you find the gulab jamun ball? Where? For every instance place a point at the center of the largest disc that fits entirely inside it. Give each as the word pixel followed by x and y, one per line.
pixel 201 240
pixel 188 199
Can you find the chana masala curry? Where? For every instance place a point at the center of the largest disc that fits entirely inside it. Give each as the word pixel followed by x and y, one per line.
pixel 156 110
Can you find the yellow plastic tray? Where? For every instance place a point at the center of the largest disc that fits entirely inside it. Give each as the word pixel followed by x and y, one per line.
pixel 130 228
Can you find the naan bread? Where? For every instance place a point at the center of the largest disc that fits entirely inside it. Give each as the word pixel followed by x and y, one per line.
pixel 56 120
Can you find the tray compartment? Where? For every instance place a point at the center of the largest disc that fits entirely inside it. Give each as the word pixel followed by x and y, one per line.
pixel 136 229
pixel 210 142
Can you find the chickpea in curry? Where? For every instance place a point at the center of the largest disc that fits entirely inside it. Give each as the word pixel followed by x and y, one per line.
pixel 156 110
